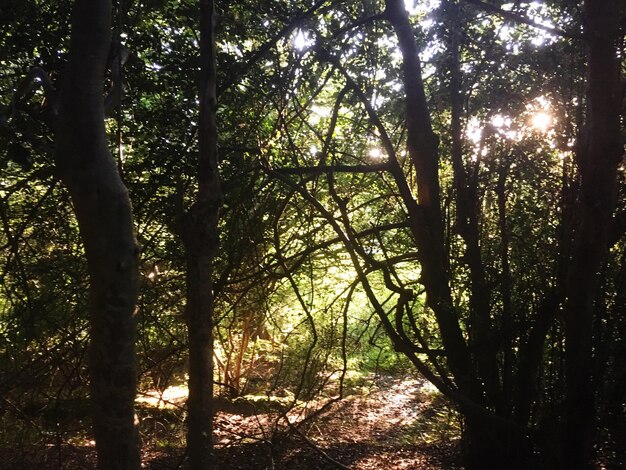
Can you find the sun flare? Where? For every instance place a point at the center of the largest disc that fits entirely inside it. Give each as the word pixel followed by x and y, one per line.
pixel 541 121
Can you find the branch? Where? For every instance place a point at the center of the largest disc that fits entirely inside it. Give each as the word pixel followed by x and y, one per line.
pixel 392 160
pixel 357 23
pixel 311 444
pixel 35 76
pixel 333 123
pixel 114 97
pixel 468 405
pixel 519 18
pixel 257 55
pixel 318 170
pixel 299 258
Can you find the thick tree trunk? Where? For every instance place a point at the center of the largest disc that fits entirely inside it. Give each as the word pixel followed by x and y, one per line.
pixel 104 216
pixel 487 445
pixel 506 291
pixel 598 156
pixel 200 237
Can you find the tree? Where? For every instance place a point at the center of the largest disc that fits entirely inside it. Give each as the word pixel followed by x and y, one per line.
pixel 476 325
pixel 102 208
pixel 599 153
pixel 200 238
pixel 104 215
pixel 383 174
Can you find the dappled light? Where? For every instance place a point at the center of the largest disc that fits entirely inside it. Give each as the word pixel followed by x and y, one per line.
pixel 301 40
pixel 172 396
pixel 499 121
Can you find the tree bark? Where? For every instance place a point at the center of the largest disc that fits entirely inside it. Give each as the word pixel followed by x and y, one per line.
pixel 200 238
pixel 104 216
pixel 598 155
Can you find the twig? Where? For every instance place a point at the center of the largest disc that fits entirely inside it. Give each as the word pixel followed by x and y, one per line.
pixel 317 449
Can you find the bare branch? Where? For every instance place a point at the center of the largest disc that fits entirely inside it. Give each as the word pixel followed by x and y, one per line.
pixel 257 55
pixel 519 18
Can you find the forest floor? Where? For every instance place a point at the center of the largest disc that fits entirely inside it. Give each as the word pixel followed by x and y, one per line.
pixel 393 423
pixel 398 423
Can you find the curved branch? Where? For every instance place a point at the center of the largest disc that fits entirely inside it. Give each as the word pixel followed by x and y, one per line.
pixel 36 76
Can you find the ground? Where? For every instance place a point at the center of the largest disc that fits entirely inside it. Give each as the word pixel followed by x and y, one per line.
pixel 394 423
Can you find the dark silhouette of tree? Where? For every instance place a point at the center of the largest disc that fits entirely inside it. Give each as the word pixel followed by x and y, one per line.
pixel 600 151
pixel 200 238
pixel 75 111
pixel 103 211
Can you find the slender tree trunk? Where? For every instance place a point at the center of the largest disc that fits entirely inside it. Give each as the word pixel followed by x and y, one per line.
pixel 200 237
pixel 615 383
pixel 598 156
pixel 482 343
pixel 506 293
pixel 104 216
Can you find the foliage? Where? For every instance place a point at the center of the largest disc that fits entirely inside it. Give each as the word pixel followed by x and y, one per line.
pixel 314 234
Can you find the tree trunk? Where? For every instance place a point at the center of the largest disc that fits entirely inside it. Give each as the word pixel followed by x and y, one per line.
pixel 200 237
pixel 506 291
pixel 104 216
pixel 481 338
pixel 426 221
pixel 488 445
pixel 491 441
pixel 599 153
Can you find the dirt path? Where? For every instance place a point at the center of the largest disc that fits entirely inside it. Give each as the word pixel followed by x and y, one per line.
pixel 399 424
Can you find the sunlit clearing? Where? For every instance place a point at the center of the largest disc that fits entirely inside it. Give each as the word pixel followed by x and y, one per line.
pixel 541 121
pixel 170 397
pixel 375 153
